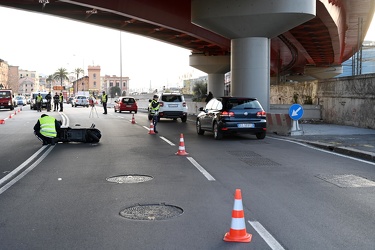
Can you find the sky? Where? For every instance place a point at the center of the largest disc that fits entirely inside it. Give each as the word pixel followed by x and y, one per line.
pixel 46 43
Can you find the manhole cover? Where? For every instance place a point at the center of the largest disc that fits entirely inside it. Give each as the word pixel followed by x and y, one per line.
pixel 347 180
pixel 151 212
pixel 129 178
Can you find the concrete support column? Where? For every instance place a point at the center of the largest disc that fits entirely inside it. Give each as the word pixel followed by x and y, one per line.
pixel 216 84
pixel 250 69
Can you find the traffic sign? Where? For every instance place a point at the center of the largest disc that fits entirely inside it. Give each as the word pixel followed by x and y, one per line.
pixel 295 112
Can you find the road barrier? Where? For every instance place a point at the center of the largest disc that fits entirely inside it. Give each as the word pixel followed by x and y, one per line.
pixel 280 124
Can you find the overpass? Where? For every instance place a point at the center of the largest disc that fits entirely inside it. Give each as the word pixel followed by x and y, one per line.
pixel 284 38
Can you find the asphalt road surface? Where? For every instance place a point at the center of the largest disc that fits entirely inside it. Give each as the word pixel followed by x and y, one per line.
pixel 131 190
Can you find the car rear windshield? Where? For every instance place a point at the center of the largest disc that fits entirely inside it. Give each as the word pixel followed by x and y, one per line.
pixel 4 94
pixel 171 98
pixel 242 104
pixel 128 100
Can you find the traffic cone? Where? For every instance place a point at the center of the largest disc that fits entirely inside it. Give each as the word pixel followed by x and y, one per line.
pixel 10 115
pixel 151 130
pixel 19 110
pixel 2 121
pixel 181 147
pixel 237 232
pixel 133 120
pixel 15 112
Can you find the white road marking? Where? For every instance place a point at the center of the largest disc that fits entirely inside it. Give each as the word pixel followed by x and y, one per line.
pixel 325 151
pixel 167 141
pixel 201 169
pixel 267 237
pixel 36 163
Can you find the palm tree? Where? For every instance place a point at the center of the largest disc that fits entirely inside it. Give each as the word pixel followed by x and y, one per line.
pixel 61 74
pixel 50 80
pixel 78 71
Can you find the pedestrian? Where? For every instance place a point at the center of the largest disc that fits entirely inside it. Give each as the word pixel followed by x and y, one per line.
pixel 48 98
pixel 56 102
pixel 154 111
pixel 39 102
pixel 61 102
pixel 104 102
pixel 209 97
pixel 47 129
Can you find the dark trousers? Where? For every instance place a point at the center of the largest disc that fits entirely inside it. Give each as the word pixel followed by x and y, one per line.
pixel 39 106
pixel 48 106
pixel 155 121
pixel 105 107
pixel 45 140
pixel 61 107
pixel 56 106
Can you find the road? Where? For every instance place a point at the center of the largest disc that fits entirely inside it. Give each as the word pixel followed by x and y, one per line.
pixel 294 196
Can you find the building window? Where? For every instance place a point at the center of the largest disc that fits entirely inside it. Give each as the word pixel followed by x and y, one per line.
pixel 94 76
pixel 110 84
pixel 124 84
pixel 117 84
pixel 94 83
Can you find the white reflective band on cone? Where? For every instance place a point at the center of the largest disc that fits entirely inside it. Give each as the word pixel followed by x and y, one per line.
pixel 237 205
pixel 238 224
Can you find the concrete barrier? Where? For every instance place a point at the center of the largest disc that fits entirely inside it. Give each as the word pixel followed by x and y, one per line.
pixel 280 124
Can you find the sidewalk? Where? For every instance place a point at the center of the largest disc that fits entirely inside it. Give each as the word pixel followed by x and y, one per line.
pixel 352 141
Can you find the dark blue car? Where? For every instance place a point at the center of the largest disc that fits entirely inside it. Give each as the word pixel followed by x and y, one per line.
pixel 227 115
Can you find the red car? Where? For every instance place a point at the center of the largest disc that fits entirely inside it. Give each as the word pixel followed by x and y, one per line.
pixel 126 103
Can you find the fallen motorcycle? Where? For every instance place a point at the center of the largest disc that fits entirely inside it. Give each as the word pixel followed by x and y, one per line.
pixel 87 135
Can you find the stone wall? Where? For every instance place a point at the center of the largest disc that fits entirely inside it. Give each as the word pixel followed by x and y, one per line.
pixel 344 101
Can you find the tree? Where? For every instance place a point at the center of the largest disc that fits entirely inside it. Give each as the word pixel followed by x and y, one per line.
pixel 78 71
pixel 114 90
pixel 199 91
pixel 50 80
pixel 61 74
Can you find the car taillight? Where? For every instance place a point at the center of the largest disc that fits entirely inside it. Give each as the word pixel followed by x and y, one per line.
pixel 228 114
pixel 184 104
pixel 261 113
pixel 161 104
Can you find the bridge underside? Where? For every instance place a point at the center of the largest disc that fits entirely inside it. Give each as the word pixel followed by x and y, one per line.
pixel 326 41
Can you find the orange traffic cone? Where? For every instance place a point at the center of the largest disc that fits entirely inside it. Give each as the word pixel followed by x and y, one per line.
pixel 2 121
pixel 237 232
pixel 15 112
pixel 10 115
pixel 181 147
pixel 151 130
pixel 19 110
pixel 133 120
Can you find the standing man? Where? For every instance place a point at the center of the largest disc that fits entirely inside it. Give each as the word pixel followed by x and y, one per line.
pixel 61 102
pixel 104 102
pixel 39 101
pixel 154 111
pixel 48 98
pixel 47 129
pixel 56 102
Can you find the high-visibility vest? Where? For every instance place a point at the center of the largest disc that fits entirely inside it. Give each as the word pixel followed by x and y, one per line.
pixel 39 98
pixel 47 126
pixel 152 109
pixel 104 98
pixel 61 98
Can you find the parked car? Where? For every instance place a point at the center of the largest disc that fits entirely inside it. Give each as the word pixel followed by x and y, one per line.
pixel 33 100
pixel 232 115
pixel 126 103
pixel 80 100
pixel 6 99
pixel 21 100
pixel 172 105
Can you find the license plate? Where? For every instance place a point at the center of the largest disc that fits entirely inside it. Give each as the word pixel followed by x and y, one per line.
pixel 246 125
pixel 129 106
pixel 172 105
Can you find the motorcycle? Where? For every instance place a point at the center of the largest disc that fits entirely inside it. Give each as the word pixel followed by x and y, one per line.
pixel 86 135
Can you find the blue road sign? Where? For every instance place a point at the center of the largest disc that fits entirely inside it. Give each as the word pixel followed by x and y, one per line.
pixel 296 112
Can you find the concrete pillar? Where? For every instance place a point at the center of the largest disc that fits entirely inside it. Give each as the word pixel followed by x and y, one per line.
pixel 216 84
pixel 250 70
pixel 215 67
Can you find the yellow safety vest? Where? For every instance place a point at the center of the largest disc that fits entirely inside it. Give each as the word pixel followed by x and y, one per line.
pixel 104 98
pixel 152 109
pixel 47 126
pixel 39 98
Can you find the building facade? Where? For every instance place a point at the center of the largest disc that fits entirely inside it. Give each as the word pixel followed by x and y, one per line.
pixel 116 81
pixel 4 69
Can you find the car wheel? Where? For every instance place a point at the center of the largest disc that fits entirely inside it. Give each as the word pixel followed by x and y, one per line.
pixel 218 135
pixel 75 105
pixel 261 135
pixel 135 111
pixel 119 110
pixel 199 128
pixel 183 119
pixel 115 110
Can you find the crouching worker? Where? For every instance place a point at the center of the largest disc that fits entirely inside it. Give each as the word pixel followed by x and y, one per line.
pixel 47 129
